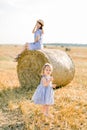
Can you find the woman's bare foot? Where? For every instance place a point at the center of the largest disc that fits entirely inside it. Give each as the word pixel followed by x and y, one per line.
pixel 16 58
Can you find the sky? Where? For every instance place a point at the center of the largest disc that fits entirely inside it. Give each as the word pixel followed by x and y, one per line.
pixel 65 21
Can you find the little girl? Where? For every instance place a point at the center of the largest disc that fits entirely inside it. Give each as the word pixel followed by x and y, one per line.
pixel 37 44
pixel 44 94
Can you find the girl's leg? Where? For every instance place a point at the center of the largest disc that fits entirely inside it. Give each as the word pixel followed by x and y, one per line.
pixel 45 109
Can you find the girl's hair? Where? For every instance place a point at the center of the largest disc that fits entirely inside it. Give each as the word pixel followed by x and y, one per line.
pixel 43 68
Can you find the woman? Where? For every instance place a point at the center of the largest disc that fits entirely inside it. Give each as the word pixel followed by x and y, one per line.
pixel 38 32
pixel 37 44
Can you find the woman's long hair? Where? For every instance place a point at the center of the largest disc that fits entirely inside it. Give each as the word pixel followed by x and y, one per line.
pixel 41 25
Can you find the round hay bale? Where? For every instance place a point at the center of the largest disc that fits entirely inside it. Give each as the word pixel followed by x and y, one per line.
pixel 30 64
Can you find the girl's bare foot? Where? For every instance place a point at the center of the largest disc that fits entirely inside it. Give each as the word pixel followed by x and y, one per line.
pixel 49 115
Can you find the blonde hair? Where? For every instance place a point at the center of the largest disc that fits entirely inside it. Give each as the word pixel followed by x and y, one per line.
pixel 43 68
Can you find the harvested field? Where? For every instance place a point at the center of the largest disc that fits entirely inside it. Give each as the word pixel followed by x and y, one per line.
pixel 17 112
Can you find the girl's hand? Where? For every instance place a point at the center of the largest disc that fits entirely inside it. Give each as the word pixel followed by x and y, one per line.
pixel 51 78
pixel 54 85
pixel 45 82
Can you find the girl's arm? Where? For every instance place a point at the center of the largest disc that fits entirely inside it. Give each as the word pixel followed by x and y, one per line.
pixel 54 85
pixel 45 82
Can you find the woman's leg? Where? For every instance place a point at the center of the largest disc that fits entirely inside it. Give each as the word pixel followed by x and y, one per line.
pixel 26 47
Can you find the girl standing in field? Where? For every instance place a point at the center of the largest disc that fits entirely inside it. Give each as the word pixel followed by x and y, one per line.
pixel 37 44
pixel 44 94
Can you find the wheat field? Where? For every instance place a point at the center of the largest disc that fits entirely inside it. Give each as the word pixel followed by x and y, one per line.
pixel 17 112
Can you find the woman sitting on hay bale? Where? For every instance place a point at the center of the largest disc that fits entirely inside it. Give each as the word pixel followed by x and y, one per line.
pixel 37 44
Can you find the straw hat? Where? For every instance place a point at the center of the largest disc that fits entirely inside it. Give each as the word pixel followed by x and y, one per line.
pixel 41 21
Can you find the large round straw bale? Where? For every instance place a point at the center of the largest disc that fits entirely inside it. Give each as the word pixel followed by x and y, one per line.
pixel 30 64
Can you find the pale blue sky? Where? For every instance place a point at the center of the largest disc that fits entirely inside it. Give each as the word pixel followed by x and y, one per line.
pixel 65 20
